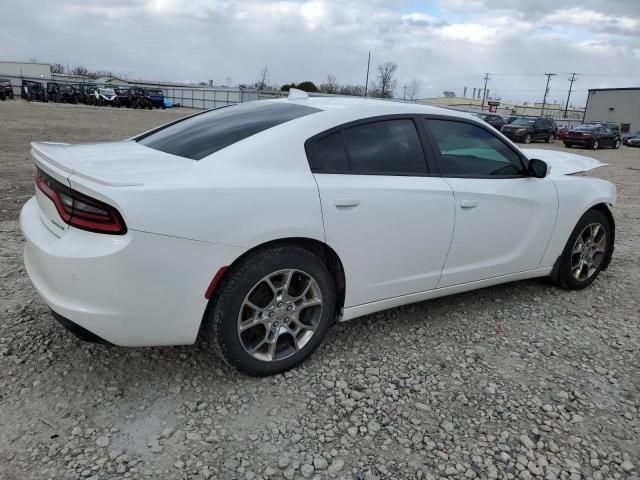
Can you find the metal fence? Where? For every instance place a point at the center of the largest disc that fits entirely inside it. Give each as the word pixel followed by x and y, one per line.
pixel 186 96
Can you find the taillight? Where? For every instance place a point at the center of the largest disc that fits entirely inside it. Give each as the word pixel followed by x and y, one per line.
pixel 79 210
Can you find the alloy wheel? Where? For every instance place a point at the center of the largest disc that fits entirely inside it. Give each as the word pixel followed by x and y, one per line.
pixel 596 145
pixel 588 251
pixel 279 315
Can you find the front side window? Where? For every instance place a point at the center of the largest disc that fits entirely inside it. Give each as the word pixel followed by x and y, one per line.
pixel 468 150
pixel 201 135
pixel 388 146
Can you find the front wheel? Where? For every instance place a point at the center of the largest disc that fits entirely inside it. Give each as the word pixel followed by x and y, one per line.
pixel 586 251
pixel 272 311
pixel 527 138
pixel 550 139
pixel 595 145
pixel 568 145
pixel 617 144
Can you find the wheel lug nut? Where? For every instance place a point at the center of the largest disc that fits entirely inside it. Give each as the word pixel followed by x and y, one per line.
pixel 289 308
pixel 271 314
pixel 279 304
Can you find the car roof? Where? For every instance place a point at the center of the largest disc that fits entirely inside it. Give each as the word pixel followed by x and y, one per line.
pixel 337 109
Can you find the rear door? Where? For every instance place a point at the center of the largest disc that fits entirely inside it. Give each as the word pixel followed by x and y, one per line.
pixel 504 218
pixel 388 218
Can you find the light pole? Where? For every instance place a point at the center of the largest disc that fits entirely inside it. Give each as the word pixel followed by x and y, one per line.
pixel 484 91
pixel 571 80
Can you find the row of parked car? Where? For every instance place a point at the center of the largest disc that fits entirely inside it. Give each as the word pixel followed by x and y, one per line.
pixel 87 93
pixel 592 135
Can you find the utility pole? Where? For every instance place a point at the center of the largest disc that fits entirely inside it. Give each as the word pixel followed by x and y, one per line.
pixel 366 84
pixel 404 92
pixel 546 90
pixel 571 80
pixel 484 91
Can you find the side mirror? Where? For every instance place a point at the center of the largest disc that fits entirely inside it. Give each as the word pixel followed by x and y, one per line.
pixel 537 168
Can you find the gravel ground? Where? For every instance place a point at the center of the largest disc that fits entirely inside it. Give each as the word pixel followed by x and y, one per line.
pixel 516 381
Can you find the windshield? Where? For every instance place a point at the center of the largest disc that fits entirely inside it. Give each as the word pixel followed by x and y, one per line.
pixel 155 92
pixel 525 122
pixel 480 115
pixel 107 91
pixel 201 135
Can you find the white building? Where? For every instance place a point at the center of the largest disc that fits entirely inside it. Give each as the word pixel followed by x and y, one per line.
pixel 616 105
pixel 31 70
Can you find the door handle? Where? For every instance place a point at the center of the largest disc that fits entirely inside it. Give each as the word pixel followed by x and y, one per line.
pixel 346 202
pixel 469 204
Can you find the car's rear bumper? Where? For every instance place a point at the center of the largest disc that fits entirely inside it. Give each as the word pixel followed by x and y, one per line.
pixel 132 290
pixel 579 141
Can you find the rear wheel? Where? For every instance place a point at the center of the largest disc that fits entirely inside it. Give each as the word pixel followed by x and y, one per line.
pixel 568 145
pixel 271 312
pixel 550 139
pixel 10 95
pixel 3 96
pixel 586 251
pixel 617 144
pixel 595 145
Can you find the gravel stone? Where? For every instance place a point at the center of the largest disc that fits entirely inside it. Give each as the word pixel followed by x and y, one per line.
pixel 520 381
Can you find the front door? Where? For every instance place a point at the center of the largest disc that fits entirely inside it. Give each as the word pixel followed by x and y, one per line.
pixel 504 219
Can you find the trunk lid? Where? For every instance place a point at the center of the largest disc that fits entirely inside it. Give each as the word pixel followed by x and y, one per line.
pixel 116 164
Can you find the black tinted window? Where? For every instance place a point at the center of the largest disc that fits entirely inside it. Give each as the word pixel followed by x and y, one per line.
pixel 204 134
pixel 330 154
pixel 388 146
pixel 469 150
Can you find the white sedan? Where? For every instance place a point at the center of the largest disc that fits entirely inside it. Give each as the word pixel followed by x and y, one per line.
pixel 260 224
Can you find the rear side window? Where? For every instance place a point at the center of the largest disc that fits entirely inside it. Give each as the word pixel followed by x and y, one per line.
pixel 390 147
pixel 201 135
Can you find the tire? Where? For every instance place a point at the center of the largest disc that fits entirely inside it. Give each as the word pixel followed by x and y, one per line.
pixel 617 144
pixel 527 138
pixel 550 139
pixel 3 96
pixel 10 95
pixel 568 145
pixel 246 282
pixel 569 260
pixel 595 145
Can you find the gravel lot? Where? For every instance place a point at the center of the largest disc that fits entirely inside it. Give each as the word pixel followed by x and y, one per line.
pixel 517 381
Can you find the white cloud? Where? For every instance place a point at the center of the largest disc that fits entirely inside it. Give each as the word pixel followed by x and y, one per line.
pixel 215 39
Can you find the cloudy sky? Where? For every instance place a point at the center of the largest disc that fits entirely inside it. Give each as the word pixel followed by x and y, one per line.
pixel 445 44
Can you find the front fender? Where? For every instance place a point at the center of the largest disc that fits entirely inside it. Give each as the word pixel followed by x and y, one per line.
pixel 576 196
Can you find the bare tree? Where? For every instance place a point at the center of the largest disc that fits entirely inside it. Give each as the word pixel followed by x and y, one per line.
pixel 413 89
pixel 57 68
pixel 354 90
pixel 80 70
pixel 385 82
pixel 263 79
pixel 330 85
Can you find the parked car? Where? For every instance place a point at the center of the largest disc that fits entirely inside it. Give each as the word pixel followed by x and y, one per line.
pixel 155 97
pixel 62 93
pixel 562 132
pixel 123 96
pixel 511 118
pixel 87 93
pixel 31 91
pixel 105 96
pixel 634 142
pixel 592 136
pixel 526 129
pixel 629 136
pixel 260 224
pixel 6 89
pixel 496 121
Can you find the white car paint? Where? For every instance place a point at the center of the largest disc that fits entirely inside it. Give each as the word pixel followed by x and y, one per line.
pixel 400 239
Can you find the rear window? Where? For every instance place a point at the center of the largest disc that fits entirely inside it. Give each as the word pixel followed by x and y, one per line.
pixel 201 135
